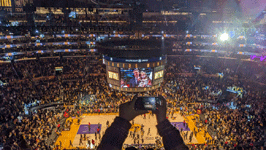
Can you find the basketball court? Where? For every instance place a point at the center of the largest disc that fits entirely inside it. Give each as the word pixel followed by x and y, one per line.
pixel 96 120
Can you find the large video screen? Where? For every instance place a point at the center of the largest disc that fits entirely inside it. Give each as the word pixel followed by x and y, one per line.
pixel 137 77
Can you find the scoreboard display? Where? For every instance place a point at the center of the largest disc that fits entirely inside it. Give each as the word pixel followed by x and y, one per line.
pixel 134 77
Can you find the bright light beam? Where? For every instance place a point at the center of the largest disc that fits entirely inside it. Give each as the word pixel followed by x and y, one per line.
pixel 224 37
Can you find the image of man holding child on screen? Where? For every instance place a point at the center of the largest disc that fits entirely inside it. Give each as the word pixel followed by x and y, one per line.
pixel 136 78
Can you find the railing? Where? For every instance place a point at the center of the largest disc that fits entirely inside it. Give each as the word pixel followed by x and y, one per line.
pixel 54 104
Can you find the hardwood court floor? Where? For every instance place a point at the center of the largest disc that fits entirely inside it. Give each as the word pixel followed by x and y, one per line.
pixel 149 122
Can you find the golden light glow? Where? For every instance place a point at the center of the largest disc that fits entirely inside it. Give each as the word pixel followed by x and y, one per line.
pixel 113 75
pixel 158 74
pixel 5 3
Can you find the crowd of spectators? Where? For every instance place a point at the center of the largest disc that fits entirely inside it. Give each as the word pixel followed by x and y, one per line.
pixel 33 131
pixel 46 39
pixel 241 126
pixel 32 80
pixel 48 43
pixel 79 28
pixel 27 48
pixel 28 81
pixel 29 89
pixel 46 67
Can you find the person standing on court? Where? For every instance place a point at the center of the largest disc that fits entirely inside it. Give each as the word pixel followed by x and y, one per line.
pixel 93 142
pixel 70 143
pixel 80 140
pixel 98 130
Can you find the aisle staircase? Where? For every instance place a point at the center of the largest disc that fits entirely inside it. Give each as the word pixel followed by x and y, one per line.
pixel 19 75
pixel 67 136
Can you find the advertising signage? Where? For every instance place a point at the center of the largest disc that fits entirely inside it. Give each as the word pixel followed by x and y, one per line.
pixel 155 59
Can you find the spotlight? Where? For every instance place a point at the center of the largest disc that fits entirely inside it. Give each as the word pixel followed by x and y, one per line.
pixel 224 37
